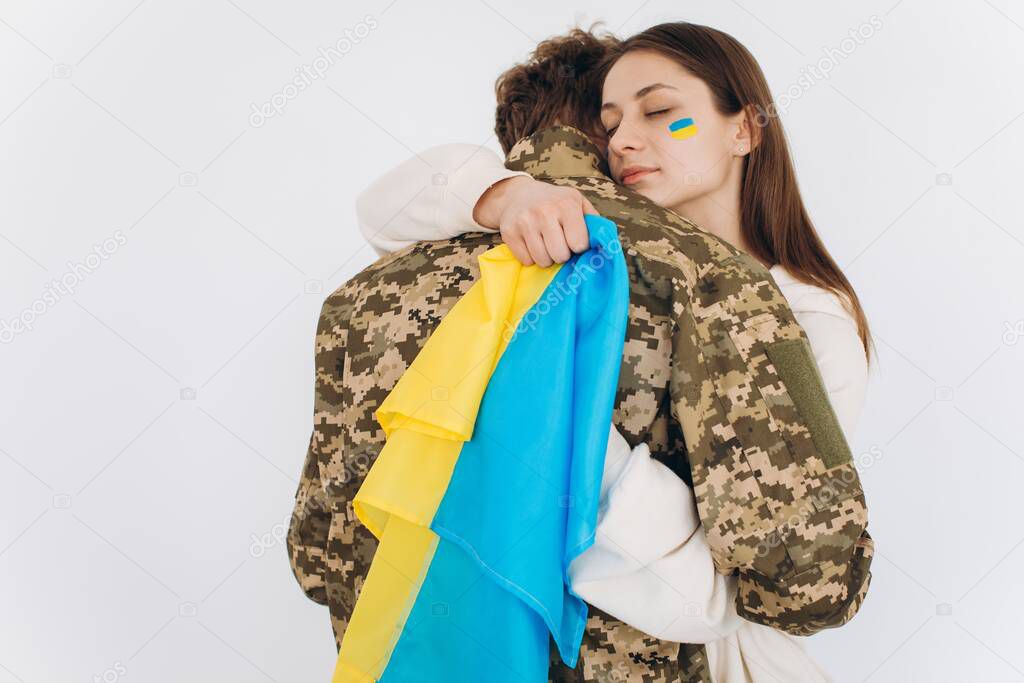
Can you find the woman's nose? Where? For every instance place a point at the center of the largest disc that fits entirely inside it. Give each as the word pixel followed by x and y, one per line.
pixel 626 138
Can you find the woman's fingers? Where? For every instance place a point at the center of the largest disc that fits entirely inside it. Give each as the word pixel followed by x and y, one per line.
pixel 574 228
pixel 554 235
pixel 543 223
pixel 518 247
pixel 535 243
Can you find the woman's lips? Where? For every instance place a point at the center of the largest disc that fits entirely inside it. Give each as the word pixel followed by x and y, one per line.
pixel 636 176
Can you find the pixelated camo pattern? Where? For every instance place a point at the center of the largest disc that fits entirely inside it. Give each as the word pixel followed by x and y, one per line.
pixel 695 384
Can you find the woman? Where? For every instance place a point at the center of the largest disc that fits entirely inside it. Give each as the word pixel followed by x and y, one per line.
pixel 690 125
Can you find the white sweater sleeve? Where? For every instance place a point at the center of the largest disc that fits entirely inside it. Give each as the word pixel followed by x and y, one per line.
pixel 650 565
pixel 429 196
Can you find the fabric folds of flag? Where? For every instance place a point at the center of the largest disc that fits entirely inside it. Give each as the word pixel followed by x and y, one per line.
pixel 487 486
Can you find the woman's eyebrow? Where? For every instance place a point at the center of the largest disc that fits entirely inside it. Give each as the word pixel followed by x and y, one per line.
pixel 647 89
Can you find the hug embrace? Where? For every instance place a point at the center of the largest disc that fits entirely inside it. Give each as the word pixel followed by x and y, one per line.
pixel 728 518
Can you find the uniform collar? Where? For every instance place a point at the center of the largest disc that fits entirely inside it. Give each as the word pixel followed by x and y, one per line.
pixel 558 152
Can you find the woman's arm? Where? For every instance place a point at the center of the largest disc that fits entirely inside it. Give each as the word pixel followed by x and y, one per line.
pixel 661 579
pixel 452 189
pixel 650 565
pixel 430 196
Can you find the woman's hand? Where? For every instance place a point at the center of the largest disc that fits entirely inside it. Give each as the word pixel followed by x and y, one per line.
pixel 541 223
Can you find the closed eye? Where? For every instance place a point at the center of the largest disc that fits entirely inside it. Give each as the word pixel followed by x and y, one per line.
pixel 611 131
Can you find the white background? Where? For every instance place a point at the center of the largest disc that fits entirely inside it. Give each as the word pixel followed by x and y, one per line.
pixel 155 420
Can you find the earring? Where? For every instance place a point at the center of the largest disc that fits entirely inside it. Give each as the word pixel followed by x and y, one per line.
pixel 741 149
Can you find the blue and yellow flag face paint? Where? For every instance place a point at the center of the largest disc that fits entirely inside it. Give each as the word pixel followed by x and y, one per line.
pixel 487 486
pixel 682 129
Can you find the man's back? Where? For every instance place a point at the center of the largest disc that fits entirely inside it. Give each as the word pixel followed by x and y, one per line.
pixel 700 314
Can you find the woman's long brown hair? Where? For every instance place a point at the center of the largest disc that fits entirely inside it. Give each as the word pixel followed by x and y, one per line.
pixel 773 218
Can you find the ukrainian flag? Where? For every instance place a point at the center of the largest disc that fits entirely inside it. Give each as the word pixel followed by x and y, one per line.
pixel 487 486
pixel 682 129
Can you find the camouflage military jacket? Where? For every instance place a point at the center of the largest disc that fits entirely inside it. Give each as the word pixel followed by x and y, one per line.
pixel 717 378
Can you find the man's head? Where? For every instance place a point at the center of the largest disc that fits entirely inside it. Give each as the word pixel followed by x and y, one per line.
pixel 559 83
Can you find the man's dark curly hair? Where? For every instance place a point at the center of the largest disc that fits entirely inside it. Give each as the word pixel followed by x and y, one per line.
pixel 559 83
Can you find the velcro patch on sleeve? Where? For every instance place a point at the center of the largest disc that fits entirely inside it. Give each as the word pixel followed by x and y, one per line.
pixel 795 364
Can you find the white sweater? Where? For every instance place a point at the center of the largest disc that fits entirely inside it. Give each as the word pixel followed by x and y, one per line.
pixel 659 579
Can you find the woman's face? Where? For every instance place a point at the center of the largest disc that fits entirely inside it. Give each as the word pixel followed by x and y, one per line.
pixel 666 140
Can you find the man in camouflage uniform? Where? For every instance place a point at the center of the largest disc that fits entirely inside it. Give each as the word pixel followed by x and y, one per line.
pixel 717 379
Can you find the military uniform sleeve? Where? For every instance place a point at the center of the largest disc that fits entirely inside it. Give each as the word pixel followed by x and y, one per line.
pixel 777 491
pixel 313 514
pixel 307 530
